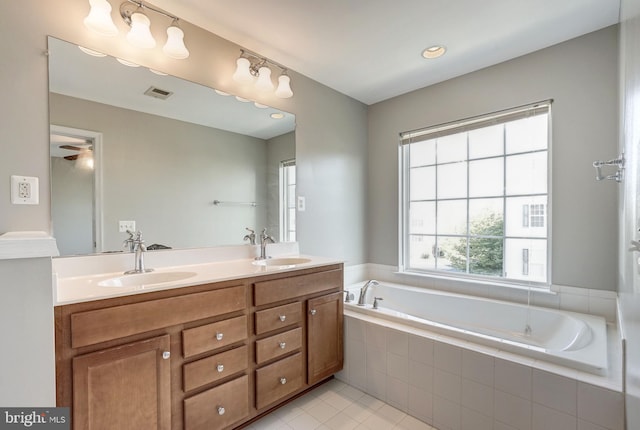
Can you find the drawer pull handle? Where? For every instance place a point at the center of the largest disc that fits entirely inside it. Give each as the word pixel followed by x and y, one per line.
pixel 312 311
pixel 283 380
pixel 219 336
pixel 220 368
pixel 283 345
pixel 221 410
pixel 166 355
pixel 282 318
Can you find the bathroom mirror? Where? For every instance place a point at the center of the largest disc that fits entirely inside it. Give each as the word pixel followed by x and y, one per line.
pixel 135 149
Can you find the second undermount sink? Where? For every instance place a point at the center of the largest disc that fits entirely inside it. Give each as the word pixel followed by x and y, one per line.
pixel 149 278
pixel 284 261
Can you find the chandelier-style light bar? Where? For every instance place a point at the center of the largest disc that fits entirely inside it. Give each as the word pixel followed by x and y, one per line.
pixel 133 13
pixel 252 68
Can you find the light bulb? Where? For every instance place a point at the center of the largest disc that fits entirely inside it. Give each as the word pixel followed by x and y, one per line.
pixel 99 18
pixel 174 47
pixel 264 79
pixel 242 73
pixel 284 89
pixel 140 34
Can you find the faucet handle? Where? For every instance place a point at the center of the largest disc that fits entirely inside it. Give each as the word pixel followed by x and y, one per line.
pixel 375 302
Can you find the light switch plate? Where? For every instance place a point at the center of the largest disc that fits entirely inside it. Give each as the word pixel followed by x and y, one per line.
pixel 24 190
pixel 123 226
pixel 302 204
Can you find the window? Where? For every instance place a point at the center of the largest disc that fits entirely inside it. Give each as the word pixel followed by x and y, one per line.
pixel 474 197
pixel 288 201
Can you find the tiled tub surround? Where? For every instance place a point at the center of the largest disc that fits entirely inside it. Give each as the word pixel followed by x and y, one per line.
pixel 458 385
pixel 454 384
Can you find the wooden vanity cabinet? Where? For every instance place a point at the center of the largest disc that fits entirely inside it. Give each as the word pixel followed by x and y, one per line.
pixel 213 356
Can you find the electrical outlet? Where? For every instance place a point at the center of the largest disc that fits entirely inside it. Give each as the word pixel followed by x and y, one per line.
pixel 24 190
pixel 123 226
pixel 302 204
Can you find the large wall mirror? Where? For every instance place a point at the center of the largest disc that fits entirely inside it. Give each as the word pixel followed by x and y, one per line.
pixel 190 166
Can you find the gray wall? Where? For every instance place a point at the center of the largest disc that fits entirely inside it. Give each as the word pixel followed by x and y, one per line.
pixel 330 137
pixel 164 174
pixel 581 76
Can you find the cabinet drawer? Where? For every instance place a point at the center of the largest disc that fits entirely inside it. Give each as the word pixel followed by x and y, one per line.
pixel 278 345
pixel 214 368
pixel 296 286
pixel 211 336
pixel 101 325
pixel 278 317
pixel 277 380
pixel 218 407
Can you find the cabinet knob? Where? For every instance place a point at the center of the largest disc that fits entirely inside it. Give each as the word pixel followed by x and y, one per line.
pixel 166 355
pixel 283 380
pixel 221 410
pixel 282 317
pixel 220 368
pixel 219 336
pixel 312 311
pixel 283 345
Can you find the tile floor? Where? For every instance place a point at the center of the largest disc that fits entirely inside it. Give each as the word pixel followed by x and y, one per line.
pixel 338 406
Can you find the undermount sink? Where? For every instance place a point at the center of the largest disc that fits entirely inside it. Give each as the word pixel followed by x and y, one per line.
pixel 284 261
pixel 149 278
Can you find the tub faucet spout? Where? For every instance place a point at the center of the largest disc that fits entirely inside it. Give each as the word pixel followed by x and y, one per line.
pixel 363 291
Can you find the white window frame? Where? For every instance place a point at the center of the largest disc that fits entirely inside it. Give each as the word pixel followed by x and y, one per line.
pixel 286 234
pixel 457 127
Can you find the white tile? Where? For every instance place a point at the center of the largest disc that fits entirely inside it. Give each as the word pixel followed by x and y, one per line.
pixel 545 418
pixel 421 404
pixel 448 358
pixel 357 411
pixel 600 406
pixel 473 420
pixel 398 366
pixel 270 422
pixel 377 384
pixel 289 411
pixel 322 411
pixel 512 410
pixel 574 302
pixel 447 385
pixel 411 423
pixel 355 329
pixel 446 414
pixel 376 359
pixel 421 375
pixel 398 342
pixel 477 367
pixel 604 307
pixel 397 393
pixel 355 359
pixel 304 421
pixel 421 349
pixel 371 402
pixel 338 400
pixel 351 392
pixel 555 391
pixel 513 378
pixel 376 335
pixel 341 421
pixel 477 397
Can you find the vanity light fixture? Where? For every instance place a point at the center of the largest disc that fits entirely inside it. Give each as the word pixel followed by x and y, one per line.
pixel 252 68
pixel 133 12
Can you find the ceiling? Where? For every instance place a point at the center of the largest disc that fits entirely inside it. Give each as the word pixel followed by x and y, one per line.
pixel 371 49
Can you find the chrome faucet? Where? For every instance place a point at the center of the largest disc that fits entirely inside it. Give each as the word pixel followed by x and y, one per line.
pixel 139 249
pixel 251 237
pixel 264 239
pixel 363 290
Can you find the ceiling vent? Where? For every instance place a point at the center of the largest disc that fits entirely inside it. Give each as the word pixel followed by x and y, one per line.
pixel 158 93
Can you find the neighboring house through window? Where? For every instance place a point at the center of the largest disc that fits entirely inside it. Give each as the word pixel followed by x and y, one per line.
pixel 474 197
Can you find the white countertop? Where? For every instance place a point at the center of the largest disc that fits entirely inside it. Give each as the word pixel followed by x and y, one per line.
pixel 73 283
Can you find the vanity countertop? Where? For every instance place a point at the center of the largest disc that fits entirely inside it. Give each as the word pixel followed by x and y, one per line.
pixel 85 288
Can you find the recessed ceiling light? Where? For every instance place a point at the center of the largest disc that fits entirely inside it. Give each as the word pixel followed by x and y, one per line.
pixel 222 93
pixel 277 115
pixel 242 99
pixel 127 63
pixel 158 72
pixel 260 105
pixel 434 51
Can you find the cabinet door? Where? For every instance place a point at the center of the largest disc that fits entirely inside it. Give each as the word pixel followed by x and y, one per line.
pixel 126 387
pixel 324 337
